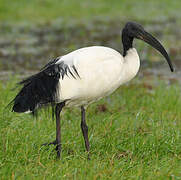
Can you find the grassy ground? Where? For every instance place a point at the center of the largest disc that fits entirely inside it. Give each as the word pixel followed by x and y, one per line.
pixel 135 135
pixel 48 10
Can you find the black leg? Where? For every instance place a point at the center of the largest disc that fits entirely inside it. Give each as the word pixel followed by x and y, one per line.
pixel 84 130
pixel 58 128
pixel 57 142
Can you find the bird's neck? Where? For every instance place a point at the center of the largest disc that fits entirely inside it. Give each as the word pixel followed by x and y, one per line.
pixel 131 64
pixel 127 42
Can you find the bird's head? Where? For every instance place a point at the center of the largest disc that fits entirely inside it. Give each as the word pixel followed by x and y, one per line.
pixel 133 30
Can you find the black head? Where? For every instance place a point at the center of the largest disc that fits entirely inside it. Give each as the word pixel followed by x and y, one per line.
pixel 133 30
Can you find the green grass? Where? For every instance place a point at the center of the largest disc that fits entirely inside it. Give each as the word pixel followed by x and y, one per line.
pixel 48 10
pixel 137 137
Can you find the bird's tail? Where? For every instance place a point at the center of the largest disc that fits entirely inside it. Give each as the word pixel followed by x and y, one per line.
pixel 39 89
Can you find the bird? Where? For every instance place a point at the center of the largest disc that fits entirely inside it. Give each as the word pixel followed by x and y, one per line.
pixel 82 77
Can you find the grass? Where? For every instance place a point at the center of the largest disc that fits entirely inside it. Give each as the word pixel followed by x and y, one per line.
pixel 38 11
pixel 134 134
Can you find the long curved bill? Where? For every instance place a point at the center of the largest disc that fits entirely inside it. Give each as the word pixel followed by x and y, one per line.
pixel 148 38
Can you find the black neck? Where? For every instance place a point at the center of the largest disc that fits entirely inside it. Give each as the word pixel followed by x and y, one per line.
pixel 127 41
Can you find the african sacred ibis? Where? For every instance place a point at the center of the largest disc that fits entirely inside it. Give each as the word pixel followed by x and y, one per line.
pixel 84 76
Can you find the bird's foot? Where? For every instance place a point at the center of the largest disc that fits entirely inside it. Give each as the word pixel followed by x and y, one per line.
pixel 47 144
pixel 58 147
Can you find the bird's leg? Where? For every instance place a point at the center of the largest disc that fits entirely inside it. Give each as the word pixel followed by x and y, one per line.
pixel 57 142
pixel 84 129
pixel 58 127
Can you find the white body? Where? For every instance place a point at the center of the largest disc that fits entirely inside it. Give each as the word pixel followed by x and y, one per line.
pixel 102 70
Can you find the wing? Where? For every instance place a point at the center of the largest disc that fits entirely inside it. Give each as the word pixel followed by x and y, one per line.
pixel 59 68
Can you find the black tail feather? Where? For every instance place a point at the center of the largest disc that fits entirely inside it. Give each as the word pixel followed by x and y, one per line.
pixel 39 89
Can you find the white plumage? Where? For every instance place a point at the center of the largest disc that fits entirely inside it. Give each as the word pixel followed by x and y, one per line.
pixel 101 70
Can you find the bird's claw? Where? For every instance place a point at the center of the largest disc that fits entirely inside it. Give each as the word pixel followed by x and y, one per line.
pixel 57 148
pixel 47 144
